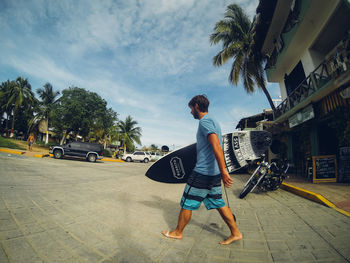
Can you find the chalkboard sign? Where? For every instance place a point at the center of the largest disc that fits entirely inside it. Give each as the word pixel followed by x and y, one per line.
pixel 324 168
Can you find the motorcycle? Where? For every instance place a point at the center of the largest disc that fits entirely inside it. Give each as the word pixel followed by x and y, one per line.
pixel 267 177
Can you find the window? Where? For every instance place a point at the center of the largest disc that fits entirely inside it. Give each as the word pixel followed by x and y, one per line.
pixel 294 79
pixel 75 145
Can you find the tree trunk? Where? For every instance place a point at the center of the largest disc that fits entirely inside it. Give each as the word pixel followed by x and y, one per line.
pixel 47 137
pixel 13 125
pixel 267 94
pixel 7 125
pixel 63 138
pixel 47 132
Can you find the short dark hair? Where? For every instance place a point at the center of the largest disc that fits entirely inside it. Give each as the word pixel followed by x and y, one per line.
pixel 202 102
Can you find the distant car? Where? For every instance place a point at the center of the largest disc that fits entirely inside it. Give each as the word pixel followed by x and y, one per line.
pixel 137 156
pixel 155 156
pixel 90 151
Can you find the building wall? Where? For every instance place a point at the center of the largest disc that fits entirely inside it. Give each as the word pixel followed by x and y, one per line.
pixel 311 59
pixel 283 90
pixel 324 26
pixel 313 17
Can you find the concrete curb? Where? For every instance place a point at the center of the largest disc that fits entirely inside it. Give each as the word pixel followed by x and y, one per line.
pixel 312 196
pixel 11 151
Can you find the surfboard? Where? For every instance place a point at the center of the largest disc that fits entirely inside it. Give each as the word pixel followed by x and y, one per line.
pixel 242 146
pixel 239 147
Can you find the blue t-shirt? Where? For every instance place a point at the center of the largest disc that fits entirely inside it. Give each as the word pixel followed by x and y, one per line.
pixel 206 161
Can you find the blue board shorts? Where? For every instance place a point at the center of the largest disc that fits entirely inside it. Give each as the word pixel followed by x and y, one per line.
pixel 202 188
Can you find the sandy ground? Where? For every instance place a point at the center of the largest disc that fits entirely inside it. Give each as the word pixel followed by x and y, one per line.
pixel 36 148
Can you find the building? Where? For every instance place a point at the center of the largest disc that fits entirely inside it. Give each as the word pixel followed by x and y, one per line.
pixel 45 133
pixel 307 43
pixel 259 121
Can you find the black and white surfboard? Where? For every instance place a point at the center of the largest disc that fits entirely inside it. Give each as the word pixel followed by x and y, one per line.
pixel 238 147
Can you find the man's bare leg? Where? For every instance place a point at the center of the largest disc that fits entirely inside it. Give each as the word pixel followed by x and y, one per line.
pixel 226 214
pixel 184 217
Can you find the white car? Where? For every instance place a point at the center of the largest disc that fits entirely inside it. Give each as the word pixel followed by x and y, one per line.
pixel 155 156
pixel 137 156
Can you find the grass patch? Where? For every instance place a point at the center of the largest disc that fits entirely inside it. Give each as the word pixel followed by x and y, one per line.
pixel 43 145
pixel 10 143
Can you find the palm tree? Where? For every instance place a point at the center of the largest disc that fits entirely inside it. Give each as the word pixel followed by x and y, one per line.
pixel 113 133
pixel 129 133
pixel 48 98
pixel 4 98
pixel 154 148
pixel 19 94
pixel 237 32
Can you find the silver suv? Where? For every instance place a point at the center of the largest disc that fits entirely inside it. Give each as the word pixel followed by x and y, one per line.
pixel 137 156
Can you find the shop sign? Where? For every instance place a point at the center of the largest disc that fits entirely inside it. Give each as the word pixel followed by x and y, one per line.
pixel 302 116
pixel 117 143
pixel 324 169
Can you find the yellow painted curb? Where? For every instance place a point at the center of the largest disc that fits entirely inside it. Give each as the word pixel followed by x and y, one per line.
pixel 312 196
pixel 41 155
pixel 11 151
pixel 112 160
pixel 342 211
pixel 107 160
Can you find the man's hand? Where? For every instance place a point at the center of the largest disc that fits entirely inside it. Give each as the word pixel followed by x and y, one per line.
pixel 227 180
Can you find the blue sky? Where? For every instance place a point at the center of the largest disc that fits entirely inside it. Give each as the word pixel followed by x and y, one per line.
pixel 147 59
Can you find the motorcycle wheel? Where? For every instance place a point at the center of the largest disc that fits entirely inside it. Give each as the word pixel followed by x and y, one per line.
pixel 276 184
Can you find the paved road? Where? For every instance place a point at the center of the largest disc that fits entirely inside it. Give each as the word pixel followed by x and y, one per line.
pixel 75 211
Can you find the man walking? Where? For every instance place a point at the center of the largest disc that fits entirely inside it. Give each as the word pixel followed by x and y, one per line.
pixel 30 142
pixel 204 184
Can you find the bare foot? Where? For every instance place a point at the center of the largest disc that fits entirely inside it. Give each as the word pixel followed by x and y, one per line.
pixel 231 239
pixel 171 234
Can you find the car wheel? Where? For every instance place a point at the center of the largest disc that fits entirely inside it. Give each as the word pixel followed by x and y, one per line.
pixel 128 159
pixel 92 157
pixel 57 154
pixel 146 160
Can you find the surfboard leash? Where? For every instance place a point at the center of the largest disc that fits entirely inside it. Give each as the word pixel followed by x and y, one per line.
pixel 228 204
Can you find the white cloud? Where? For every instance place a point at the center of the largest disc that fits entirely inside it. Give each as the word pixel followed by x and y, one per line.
pixel 146 58
pixel 39 67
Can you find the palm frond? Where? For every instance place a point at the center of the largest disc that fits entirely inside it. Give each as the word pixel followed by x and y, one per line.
pixel 217 59
pixel 222 32
pixel 236 69
pixel 247 74
pixel 236 13
pixel 231 51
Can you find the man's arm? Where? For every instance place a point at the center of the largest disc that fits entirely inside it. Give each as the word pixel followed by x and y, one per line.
pixel 219 155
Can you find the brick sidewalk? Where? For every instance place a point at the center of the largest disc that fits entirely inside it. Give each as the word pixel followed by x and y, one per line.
pixel 74 211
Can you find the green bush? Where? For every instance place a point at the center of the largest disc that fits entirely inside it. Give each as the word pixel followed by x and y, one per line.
pixel 9 143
